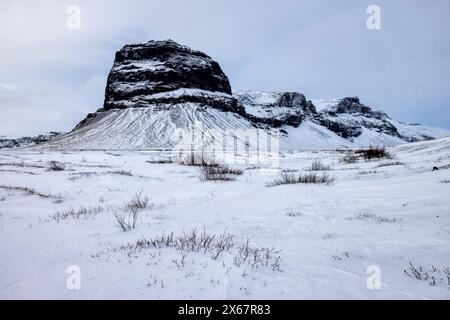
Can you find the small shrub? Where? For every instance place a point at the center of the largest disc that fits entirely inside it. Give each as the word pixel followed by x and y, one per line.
pixel 368 172
pixel 341 256
pixel 374 153
pixel 27 190
pixel 391 163
pixel 56 166
pixel 445 181
pixel 79 175
pixel 294 214
pixel 194 241
pixel 127 217
pixel 18 171
pixel 257 257
pixel 125 221
pixel 196 159
pixel 89 174
pixel 138 202
pixel 21 165
pixel 349 158
pixel 317 165
pixel 160 161
pixel 433 276
pixel 76 214
pixel 113 154
pixel 209 244
pixel 120 173
pixel 314 178
pixel 253 168
pixel 219 173
pixel 373 217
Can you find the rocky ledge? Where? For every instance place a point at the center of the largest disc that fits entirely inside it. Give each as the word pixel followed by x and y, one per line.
pixel 143 73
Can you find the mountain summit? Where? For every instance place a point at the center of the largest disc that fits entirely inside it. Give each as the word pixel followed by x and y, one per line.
pixel 159 91
pixel 142 73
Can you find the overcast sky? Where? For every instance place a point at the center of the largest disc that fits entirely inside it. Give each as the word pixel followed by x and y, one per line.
pixel 52 76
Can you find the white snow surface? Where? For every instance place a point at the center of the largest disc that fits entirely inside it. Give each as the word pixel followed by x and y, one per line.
pixel 325 104
pixel 329 235
pixel 158 127
pixel 165 125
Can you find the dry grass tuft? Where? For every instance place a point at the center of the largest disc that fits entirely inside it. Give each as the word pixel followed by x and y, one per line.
pixel 219 173
pixel 314 178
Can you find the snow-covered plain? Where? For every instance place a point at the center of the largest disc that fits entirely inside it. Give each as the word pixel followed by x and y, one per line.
pixel 329 235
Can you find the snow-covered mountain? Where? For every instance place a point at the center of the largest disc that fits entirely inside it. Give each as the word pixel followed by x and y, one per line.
pixel 330 123
pixel 14 142
pixel 160 94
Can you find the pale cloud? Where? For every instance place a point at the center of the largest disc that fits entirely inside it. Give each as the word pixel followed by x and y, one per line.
pixel 7 87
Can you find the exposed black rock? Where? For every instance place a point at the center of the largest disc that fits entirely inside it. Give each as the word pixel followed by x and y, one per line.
pixel 297 101
pixel 348 118
pixel 166 73
pixel 351 105
pixel 289 108
pixel 142 70
pixel 344 130
pixel 166 87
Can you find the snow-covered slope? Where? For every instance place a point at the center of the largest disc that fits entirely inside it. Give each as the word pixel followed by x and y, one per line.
pixel 312 136
pixel 385 214
pixel 160 94
pixel 436 151
pixel 169 125
pixel 418 132
pixel 162 127
pixel 332 123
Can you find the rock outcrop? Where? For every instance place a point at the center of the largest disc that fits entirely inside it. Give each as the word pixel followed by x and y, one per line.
pixel 9 142
pixel 275 108
pixel 142 73
pixel 157 93
pixel 349 117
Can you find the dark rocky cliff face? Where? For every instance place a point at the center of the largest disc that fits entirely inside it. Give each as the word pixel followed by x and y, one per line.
pixel 351 105
pixel 349 117
pixel 166 73
pixel 142 70
pixel 174 85
pixel 276 109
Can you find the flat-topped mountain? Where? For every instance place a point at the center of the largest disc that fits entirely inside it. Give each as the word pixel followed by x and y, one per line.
pixel 142 74
pixel 15 142
pixel 159 91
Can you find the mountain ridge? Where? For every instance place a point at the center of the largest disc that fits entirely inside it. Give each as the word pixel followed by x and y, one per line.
pixel 157 91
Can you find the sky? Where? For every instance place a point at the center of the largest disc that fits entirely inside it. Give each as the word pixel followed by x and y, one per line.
pixel 52 75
